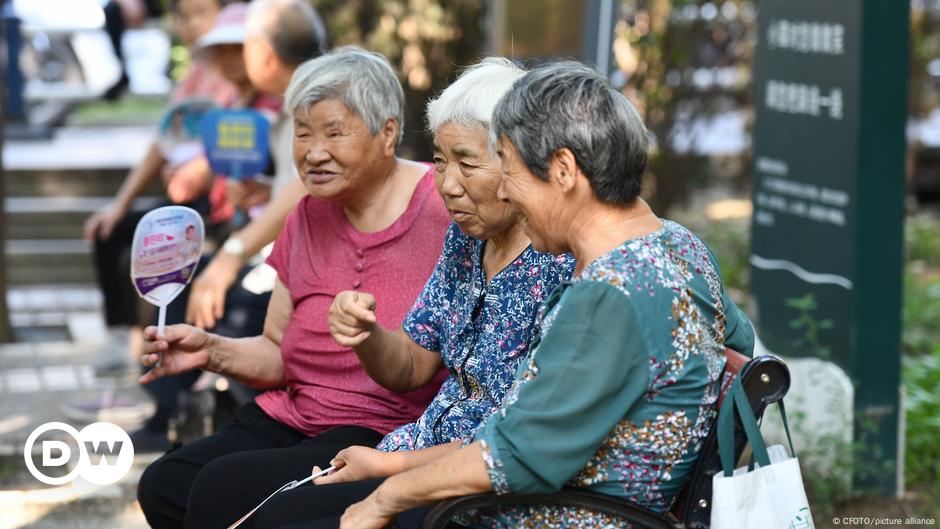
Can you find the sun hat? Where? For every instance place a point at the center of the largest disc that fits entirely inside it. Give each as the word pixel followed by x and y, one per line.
pixel 229 27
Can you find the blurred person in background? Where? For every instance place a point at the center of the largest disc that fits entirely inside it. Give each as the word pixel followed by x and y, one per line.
pixel 111 228
pixel 119 16
pixel 369 220
pixel 223 45
pixel 280 35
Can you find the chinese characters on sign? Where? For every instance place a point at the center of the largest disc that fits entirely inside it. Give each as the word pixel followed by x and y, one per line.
pixel 828 194
pixel 236 135
pixel 778 194
pixel 806 37
pixel 798 98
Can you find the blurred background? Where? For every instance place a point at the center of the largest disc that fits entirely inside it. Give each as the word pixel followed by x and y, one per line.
pixel 85 109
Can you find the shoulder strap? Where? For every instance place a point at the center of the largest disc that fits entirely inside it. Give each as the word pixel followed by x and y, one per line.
pixel 726 430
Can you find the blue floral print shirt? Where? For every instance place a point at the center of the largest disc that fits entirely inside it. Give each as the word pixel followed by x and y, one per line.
pixel 481 331
pixel 619 390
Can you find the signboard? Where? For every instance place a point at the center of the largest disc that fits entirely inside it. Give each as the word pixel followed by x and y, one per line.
pixel 826 253
pixel 236 142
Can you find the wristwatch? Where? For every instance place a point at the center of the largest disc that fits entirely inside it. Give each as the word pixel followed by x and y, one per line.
pixel 234 246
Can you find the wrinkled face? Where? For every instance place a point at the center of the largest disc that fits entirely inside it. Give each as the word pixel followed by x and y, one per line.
pixel 467 177
pixel 194 18
pixel 336 155
pixel 540 203
pixel 227 59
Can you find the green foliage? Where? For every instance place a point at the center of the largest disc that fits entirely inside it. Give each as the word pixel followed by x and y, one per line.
pixel 847 461
pixel 922 240
pixel 730 242
pixel 658 48
pixel 129 110
pixel 425 40
pixel 921 315
pixel 811 326
pixel 921 364
pixel 921 377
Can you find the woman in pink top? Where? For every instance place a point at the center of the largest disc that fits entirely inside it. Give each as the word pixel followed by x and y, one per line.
pixel 372 222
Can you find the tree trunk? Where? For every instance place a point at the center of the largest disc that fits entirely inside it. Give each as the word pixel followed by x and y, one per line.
pixel 6 333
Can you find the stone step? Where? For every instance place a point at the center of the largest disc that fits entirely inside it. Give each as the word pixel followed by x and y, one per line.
pixel 66 183
pixel 52 186
pixel 76 162
pixel 36 261
pixel 89 148
pixel 57 217
pixel 53 297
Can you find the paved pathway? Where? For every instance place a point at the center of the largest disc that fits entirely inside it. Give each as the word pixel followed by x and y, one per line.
pixel 36 379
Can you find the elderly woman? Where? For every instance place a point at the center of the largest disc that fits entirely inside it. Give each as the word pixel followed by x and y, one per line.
pixel 618 390
pixel 372 221
pixel 475 315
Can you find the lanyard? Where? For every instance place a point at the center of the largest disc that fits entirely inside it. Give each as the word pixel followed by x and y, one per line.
pixel 287 486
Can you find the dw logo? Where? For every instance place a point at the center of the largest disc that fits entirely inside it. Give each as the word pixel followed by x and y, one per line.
pixel 105 453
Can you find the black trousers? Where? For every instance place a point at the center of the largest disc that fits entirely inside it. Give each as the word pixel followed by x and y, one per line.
pixel 216 480
pixel 122 305
pixel 244 316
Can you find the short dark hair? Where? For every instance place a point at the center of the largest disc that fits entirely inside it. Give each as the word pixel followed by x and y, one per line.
pixel 293 27
pixel 566 104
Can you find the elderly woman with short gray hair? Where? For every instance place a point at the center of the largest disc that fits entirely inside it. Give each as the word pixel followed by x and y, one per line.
pixel 618 391
pixel 371 221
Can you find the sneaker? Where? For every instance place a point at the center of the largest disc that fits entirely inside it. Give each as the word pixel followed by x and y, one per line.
pixel 114 367
pixel 109 407
pixel 148 441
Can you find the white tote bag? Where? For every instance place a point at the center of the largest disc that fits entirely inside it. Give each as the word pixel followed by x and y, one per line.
pixel 770 496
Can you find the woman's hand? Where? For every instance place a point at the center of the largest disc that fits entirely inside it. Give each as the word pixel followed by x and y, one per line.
pixel 207 294
pixel 183 347
pixel 352 317
pixel 102 222
pixel 357 463
pixel 246 194
pixel 367 514
pixel 188 181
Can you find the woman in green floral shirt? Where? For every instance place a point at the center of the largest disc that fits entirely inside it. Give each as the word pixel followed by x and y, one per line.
pixel 621 384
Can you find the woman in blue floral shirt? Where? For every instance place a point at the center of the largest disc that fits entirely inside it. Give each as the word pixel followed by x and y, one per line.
pixel 619 389
pixel 475 317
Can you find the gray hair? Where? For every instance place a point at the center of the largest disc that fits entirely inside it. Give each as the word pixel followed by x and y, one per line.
pixel 470 99
pixel 566 104
pixel 363 80
pixel 293 27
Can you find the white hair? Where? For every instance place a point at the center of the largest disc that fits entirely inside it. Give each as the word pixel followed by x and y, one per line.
pixel 470 99
pixel 363 80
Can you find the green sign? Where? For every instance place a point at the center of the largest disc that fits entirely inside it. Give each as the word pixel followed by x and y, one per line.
pixel 826 253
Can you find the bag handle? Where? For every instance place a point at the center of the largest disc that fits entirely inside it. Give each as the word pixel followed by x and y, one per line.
pixel 726 429
pixel 751 429
pixel 786 428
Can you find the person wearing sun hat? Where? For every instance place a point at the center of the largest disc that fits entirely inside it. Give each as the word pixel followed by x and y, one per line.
pixel 221 47
pixel 279 36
